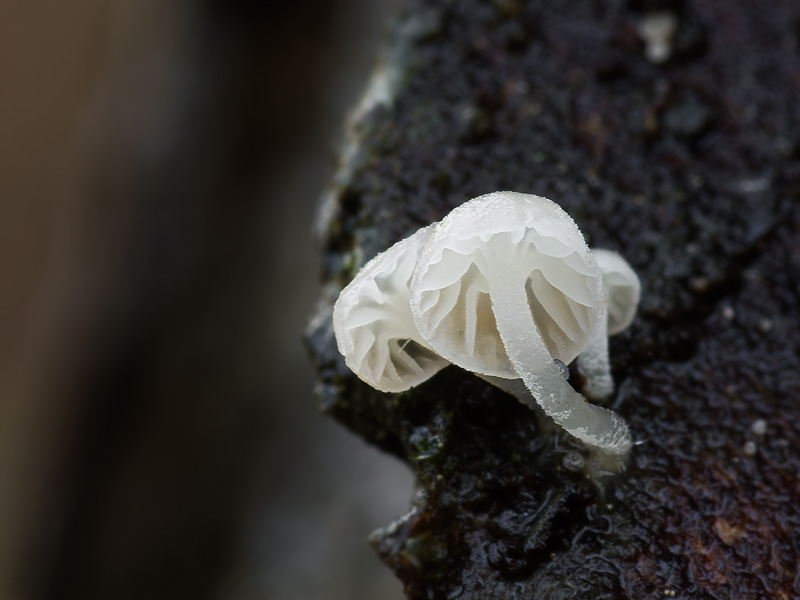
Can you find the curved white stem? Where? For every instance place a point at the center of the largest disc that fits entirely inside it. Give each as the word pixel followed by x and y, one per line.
pixel 594 365
pixel 598 428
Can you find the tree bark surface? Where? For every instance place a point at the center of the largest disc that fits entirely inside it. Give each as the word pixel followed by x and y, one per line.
pixel 690 169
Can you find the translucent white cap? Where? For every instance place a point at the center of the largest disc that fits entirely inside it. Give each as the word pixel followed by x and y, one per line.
pixel 373 325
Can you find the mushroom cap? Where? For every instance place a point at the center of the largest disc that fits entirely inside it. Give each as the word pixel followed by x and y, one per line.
pixel 622 287
pixel 373 325
pixel 529 242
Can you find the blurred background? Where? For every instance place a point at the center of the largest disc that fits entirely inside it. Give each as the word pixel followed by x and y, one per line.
pixel 160 164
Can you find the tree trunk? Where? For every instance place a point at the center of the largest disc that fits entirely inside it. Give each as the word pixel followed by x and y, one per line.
pixel 680 150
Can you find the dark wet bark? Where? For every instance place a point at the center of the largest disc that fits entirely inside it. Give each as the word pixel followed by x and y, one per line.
pixel 691 170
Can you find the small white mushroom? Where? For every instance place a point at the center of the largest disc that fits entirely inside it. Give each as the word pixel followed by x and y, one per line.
pixel 622 289
pixel 505 285
pixel 373 325
pixel 657 30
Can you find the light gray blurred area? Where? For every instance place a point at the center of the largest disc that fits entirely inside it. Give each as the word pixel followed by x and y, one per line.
pixel 311 513
pixel 160 168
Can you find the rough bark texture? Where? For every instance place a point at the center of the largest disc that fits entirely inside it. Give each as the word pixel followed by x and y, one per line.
pixel 691 170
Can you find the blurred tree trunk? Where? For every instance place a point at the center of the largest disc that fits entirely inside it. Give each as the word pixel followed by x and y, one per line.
pixel 136 402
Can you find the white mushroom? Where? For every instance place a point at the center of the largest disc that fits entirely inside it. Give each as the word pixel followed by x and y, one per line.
pixel 622 290
pixel 656 30
pixel 622 287
pixel 373 325
pixel 505 285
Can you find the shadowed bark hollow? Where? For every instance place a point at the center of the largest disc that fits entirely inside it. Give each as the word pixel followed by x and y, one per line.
pixel 690 168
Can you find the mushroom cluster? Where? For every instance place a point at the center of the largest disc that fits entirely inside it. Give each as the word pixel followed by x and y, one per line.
pixel 506 287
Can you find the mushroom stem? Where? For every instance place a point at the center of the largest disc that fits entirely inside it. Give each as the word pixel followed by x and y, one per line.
pixel 598 428
pixel 594 365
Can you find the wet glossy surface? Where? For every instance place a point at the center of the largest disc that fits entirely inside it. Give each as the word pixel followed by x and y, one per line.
pixel 691 170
